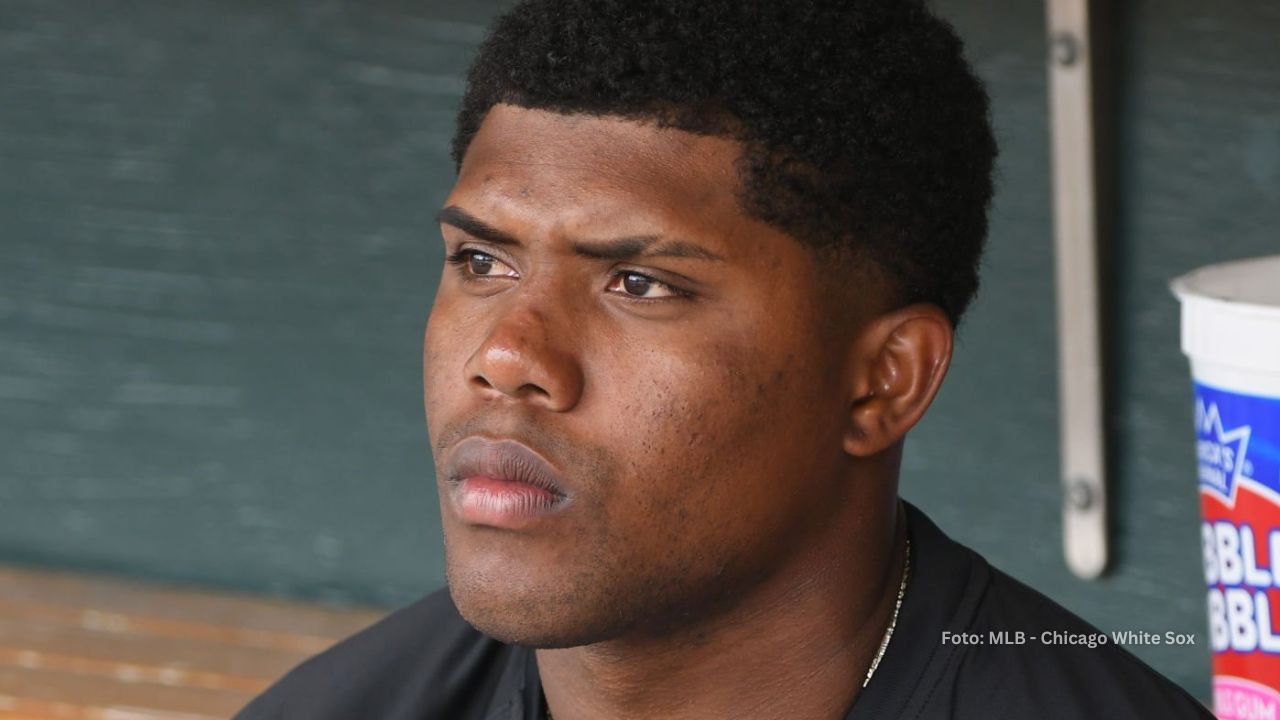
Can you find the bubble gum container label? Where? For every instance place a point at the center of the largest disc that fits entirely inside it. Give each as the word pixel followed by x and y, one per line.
pixel 1238 455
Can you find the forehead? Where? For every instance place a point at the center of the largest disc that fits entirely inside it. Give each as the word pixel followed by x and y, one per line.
pixel 579 172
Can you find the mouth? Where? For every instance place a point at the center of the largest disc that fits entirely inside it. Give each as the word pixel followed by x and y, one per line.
pixel 502 484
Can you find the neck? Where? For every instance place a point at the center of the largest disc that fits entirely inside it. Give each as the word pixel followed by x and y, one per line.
pixel 798 645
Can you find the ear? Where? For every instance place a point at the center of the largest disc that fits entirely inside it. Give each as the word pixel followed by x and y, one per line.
pixel 896 366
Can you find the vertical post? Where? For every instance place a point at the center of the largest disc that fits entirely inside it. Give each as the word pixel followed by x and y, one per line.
pixel 1075 200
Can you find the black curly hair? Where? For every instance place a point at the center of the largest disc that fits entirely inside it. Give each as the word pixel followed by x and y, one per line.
pixel 865 131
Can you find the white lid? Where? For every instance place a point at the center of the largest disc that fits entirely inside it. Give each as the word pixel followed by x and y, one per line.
pixel 1231 313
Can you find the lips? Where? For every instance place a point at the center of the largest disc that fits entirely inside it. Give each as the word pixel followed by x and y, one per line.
pixel 502 483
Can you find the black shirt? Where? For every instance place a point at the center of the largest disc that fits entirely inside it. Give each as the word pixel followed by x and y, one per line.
pixel 424 662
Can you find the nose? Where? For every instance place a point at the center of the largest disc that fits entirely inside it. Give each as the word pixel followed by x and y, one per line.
pixel 523 359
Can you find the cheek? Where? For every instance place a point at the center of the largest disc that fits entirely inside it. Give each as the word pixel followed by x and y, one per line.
pixel 442 328
pixel 444 347
pixel 701 446
pixel 431 356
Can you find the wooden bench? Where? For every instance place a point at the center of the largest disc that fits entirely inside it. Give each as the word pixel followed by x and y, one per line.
pixel 75 646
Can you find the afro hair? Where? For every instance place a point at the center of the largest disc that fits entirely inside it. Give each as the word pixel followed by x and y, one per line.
pixel 864 129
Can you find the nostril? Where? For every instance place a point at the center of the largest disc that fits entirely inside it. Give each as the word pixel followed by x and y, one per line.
pixel 531 389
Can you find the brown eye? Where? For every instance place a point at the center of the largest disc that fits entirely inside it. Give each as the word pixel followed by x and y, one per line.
pixel 479 263
pixel 640 286
pixel 636 284
pixel 473 266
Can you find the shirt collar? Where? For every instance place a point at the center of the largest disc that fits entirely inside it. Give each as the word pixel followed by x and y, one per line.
pixel 518 695
pixel 942 593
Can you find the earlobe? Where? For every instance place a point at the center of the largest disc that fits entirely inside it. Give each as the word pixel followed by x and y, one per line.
pixel 897 365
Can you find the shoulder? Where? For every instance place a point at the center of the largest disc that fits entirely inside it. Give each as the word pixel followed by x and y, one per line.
pixel 416 662
pixel 1028 654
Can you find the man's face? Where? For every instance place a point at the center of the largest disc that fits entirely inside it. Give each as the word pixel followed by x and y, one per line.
pixel 689 400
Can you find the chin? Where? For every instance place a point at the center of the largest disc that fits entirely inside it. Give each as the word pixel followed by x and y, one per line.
pixel 522 614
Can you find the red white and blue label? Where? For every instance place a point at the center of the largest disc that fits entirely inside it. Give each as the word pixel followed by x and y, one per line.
pixel 1238 451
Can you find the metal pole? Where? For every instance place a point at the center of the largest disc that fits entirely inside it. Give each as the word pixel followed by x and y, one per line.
pixel 1075 199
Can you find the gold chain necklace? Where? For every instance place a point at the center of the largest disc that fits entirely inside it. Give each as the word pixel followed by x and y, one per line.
pixel 888 633
pixel 893 621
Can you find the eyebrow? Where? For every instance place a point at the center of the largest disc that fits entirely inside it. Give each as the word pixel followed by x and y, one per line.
pixel 621 248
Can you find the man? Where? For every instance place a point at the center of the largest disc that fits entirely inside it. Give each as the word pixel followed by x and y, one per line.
pixel 705 262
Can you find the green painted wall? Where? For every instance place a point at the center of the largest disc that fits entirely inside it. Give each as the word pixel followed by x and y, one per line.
pixel 217 255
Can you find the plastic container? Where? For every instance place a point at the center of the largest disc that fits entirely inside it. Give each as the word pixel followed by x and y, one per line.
pixel 1231 333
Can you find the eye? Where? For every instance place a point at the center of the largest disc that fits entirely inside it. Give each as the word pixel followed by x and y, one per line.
pixel 637 285
pixel 473 264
